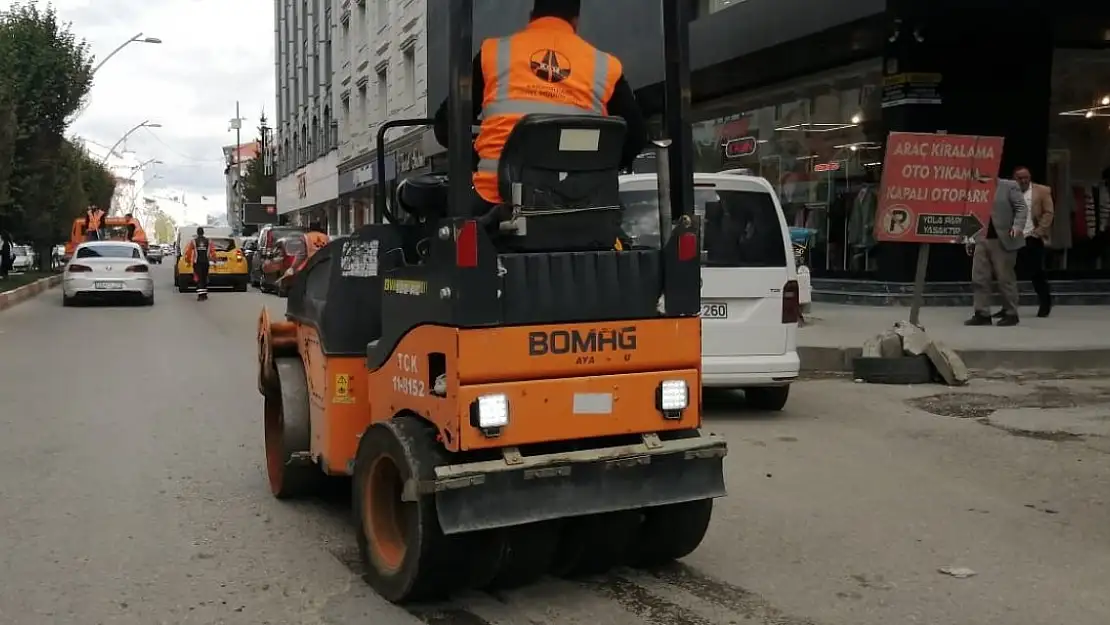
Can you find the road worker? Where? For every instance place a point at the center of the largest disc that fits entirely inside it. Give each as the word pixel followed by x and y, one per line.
pixel 198 252
pixel 546 68
pixel 94 223
pixel 135 232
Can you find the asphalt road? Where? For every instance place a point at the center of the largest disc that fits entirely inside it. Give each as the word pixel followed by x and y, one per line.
pixel 132 490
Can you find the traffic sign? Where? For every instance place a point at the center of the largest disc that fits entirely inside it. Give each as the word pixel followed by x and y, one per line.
pixel 948 226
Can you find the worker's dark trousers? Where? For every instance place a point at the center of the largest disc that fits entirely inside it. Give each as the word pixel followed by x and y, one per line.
pixel 200 272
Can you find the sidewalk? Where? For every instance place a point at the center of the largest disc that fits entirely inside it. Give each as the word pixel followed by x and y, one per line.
pixel 1074 338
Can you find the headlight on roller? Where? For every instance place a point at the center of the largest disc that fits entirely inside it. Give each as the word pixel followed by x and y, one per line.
pixel 672 397
pixel 490 413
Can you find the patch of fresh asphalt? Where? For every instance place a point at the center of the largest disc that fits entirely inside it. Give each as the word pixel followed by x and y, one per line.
pixel 133 491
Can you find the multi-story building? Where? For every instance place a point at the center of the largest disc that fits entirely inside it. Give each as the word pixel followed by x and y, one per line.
pixel 806 92
pixel 380 74
pixel 237 161
pixel 305 129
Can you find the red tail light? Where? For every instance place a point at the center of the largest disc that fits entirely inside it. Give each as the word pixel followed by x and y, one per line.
pixel 466 245
pixel 290 261
pixel 687 246
pixel 138 269
pixel 238 254
pixel 78 268
pixel 791 302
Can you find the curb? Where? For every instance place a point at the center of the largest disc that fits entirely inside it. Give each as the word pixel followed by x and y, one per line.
pixel 839 359
pixel 27 291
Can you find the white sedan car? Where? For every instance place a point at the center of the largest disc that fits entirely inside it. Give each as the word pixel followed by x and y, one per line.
pixel 107 270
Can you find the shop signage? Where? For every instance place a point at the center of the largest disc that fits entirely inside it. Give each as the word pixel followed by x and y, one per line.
pixel 824 167
pixel 410 159
pixel 302 185
pixel 911 88
pixel 937 188
pixel 365 175
pixel 739 148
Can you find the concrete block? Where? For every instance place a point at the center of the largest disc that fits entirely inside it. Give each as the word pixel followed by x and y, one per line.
pixel 873 347
pixel 890 344
pixel 914 340
pixel 948 364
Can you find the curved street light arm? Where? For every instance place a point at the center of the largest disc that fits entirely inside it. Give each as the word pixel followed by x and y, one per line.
pixel 112 150
pixel 121 46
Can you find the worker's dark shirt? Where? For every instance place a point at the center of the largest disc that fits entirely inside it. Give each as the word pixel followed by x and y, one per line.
pixel 621 104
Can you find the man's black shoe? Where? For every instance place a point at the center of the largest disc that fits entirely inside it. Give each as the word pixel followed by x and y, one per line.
pixel 979 319
pixel 1044 311
pixel 1000 314
pixel 1008 320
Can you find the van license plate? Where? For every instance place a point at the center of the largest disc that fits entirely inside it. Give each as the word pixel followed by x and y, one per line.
pixel 714 311
pixel 108 286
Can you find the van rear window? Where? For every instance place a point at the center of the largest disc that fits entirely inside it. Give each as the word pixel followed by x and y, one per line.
pixel 739 228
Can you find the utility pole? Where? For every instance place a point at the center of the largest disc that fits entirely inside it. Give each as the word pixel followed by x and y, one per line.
pixel 237 209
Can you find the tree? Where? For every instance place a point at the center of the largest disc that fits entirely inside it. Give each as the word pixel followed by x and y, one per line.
pixel 164 226
pixel 257 182
pixel 47 73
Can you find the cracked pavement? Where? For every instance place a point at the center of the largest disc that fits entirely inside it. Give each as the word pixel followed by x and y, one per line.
pixel 132 490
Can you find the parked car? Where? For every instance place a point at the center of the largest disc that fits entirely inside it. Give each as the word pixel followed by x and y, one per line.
pixel 287 253
pixel 750 292
pixel 107 271
pixel 24 258
pixel 268 236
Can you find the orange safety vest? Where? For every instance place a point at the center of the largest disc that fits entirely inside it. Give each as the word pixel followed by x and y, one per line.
pixel 96 219
pixel 315 241
pixel 544 69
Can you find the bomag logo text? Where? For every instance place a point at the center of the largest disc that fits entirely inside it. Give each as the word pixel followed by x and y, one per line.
pixel 583 344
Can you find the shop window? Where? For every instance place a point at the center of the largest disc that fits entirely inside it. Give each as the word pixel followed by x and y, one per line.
pixel 819 141
pixel 1079 160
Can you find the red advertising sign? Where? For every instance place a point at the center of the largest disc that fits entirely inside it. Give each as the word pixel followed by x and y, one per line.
pixel 739 148
pixel 936 188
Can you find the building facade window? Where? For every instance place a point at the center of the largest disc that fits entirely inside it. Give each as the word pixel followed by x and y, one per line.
pixel 819 141
pixel 1079 160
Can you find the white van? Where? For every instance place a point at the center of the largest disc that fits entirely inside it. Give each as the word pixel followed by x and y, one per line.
pixel 750 295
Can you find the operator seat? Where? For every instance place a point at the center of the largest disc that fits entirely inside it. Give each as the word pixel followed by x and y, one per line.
pixel 564 170
pixel 559 175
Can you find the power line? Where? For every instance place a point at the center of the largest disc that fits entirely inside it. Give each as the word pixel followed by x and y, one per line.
pixel 181 154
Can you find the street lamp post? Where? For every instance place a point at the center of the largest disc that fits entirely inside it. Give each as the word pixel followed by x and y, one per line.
pixel 136 39
pixel 144 124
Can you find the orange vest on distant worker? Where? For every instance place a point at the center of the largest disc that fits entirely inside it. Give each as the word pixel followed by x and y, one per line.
pixel 315 241
pixel 95 219
pixel 544 69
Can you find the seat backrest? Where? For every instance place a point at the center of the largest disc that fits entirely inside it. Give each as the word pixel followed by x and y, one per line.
pixel 561 173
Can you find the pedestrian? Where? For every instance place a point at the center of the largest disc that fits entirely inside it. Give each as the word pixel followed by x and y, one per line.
pixel 7 254
pixel 994 255
pixel 1038 230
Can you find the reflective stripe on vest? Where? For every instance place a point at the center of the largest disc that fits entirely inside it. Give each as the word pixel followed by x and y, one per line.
pixel 504 105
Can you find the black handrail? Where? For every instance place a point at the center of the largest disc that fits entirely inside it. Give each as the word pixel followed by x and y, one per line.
pixel 381 210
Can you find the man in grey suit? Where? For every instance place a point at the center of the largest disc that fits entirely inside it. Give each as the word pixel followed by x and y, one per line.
pixel 994 254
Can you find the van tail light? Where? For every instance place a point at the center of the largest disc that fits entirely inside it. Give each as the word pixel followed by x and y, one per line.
pixel 138 269
pixel 687 246
pixel 791 302
pixel 78 268
pixel 466 245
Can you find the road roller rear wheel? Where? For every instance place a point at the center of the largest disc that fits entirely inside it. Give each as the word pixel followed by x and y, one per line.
pixel 287 432
pixel 670 532
pixel 404 551
pixel 527 553
pixel 594 544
